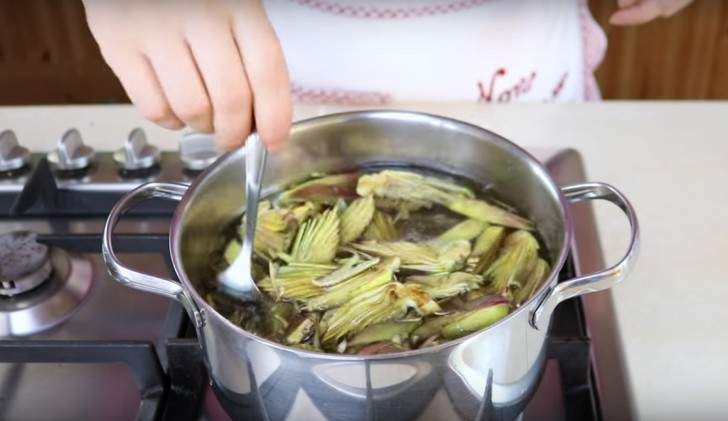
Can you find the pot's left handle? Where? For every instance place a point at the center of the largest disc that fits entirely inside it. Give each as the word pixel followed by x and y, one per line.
pixel 605 278
pixel 130 277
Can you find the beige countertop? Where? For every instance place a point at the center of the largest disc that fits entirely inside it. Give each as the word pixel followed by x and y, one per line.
pixel 669 158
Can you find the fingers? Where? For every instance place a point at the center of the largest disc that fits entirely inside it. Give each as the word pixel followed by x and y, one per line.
pixel 626 3
pixel 637 14
pixel 221 66
pixel 181 82
pixel 141 85
pixel 643 11
pixel 267 73
pixel 213 66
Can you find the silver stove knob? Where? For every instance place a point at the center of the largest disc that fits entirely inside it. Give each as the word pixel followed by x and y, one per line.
pixel 137 153
pixel 197 151
pixel 12 155
pixel 71 153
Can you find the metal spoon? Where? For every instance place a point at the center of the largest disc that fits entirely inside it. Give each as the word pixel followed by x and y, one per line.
pixel 237 279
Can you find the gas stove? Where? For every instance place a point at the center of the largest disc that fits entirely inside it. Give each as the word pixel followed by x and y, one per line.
pixel 74 344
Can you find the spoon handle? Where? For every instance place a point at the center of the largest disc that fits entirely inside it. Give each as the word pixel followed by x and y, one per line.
pixel 255 156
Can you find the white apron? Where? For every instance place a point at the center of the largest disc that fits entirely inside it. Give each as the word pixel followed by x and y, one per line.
pixel 377 51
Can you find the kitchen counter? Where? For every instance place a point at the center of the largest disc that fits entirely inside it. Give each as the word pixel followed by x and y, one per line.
pixel 669 158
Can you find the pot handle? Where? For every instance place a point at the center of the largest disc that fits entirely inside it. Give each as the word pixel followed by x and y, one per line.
pixel 130 277
pixel 606 278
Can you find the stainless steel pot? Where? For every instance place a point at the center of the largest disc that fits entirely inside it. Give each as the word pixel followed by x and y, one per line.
pixel 488 375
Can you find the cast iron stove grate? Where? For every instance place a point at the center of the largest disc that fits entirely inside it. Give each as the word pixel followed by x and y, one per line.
pixel 172 384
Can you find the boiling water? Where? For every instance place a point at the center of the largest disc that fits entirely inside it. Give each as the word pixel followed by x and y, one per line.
pixel 421 225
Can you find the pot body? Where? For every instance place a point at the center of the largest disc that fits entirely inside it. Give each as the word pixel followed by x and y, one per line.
pixel 488 375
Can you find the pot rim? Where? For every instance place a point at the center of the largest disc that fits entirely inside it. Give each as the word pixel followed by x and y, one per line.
pixel 534 164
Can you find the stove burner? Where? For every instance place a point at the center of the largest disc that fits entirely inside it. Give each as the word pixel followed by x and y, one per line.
pixel 41 286
pixel 24 263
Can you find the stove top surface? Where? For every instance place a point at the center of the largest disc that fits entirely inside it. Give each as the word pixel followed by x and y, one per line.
pixel 85 347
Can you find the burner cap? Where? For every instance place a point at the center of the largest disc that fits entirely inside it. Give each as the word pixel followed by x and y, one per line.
pixel 24 263
pixel 52 302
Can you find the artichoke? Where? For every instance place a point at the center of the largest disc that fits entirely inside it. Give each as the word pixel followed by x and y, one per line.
pixel 539 271
pixel 366 280
pixel 397 332
pixel 280 315
pixel 381 228
pixel 295 280
pixel 274 230
pixel 513 261
pixel 432 327
pixel 446 285
pixel 472 321
pixel 356 218
pixel 342 275
pixel 485 212
pixel 486 248
pixel 424 257
pixel 304 331
pixel 411 187
pixel 387 302
pixel 324 190
pixel 466 230
pixel 317 239
pixel 352 267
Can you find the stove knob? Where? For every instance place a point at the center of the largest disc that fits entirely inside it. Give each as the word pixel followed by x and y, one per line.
pixel 71 153
pixel 12 155
pixel 197 151
pixel 137 153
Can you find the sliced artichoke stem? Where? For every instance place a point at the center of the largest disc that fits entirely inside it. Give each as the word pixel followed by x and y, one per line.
pixel 486 301
pixel 432 326
pixel 356 218
pixel 485 212
pixel 396 331
pixel 474 321
pixel 381 348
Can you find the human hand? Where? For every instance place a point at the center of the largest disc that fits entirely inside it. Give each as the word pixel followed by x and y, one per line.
pixel 637 12
pixel 213 65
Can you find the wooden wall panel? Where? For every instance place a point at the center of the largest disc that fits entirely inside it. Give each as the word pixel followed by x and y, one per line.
pixel 47 55
pixel 681 57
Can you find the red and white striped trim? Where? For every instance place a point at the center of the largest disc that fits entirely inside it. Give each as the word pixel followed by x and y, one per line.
pixel 302 94
pixel 373 12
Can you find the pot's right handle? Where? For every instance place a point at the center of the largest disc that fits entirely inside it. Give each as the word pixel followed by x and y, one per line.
pixel 131 277
pixel 600 280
